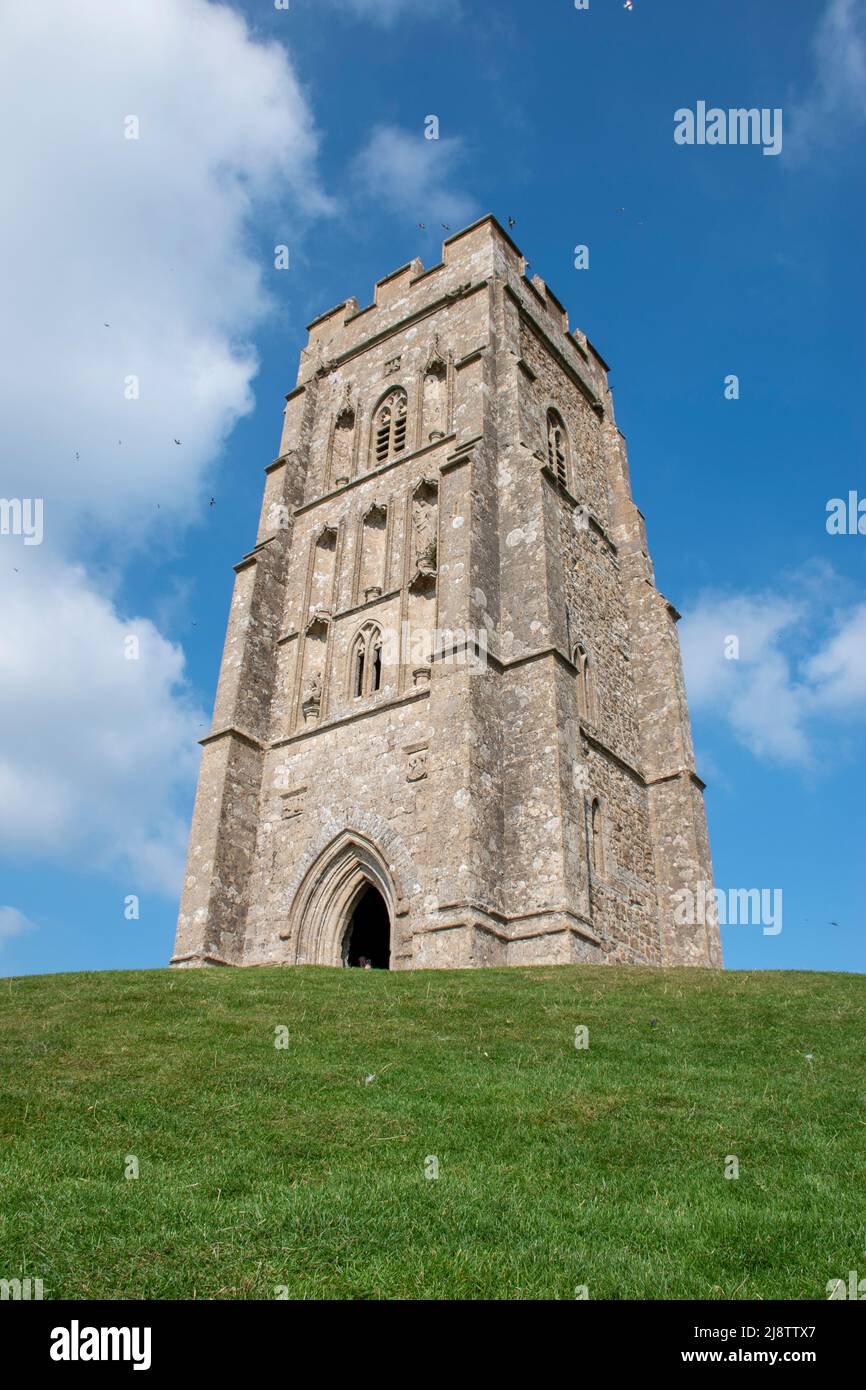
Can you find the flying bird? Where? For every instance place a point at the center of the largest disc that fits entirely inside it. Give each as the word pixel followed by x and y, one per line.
pixel 212 502
pixel 423 226
pixel 177 441
pixel 511 221
pixel 445 227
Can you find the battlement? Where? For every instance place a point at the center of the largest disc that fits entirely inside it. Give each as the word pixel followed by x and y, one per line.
pixel 471 258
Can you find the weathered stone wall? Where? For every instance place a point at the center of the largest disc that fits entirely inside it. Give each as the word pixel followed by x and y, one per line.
pixel 459 777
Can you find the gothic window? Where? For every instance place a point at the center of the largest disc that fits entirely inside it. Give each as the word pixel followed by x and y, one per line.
pixel 557 447
pixel 366 663
pixel 597 837
pixel 585 683
pixel 389 426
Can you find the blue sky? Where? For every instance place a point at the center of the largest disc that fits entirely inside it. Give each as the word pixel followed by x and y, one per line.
pixel 153 258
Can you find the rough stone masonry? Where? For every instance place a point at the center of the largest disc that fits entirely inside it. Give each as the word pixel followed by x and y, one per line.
pixel 451 725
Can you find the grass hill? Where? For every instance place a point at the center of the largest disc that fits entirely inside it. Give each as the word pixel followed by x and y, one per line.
pixel 302 1168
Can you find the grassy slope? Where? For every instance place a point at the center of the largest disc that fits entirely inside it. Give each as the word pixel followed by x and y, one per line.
pixel 262 1167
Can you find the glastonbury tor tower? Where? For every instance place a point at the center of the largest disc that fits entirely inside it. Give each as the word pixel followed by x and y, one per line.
pixel 451 726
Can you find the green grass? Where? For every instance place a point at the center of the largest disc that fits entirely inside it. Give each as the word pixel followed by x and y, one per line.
pixel 262 1167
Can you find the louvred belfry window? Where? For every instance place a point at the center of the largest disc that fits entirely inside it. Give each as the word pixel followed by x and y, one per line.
pixel 389 429
pixel 557 447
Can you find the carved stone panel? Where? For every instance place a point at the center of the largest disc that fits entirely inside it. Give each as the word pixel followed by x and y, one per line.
pixel 416 765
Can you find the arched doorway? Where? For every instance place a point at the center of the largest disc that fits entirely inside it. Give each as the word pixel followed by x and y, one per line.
pixel 368 935
pixel 332 901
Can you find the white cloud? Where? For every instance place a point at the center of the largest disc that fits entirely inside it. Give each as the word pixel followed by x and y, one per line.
pixel 754 690
pixel 835 107
pixel 838 671
pixel 97 746
pixel 792 673
pixel 413 176
pixel 151 236
pixel 13 923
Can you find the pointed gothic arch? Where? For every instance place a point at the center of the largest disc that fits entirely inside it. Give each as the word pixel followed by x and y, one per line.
pixel 366 662
pixel 558 448
pixel 586 697
pixel 329 893
pixel 372 551
pixel 435 397
pixel 341 461
pixel 390 419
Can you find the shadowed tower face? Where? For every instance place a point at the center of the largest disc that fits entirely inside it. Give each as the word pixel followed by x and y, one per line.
pixel 451 725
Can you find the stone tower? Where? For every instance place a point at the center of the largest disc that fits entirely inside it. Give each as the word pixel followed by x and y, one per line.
pixel 451 726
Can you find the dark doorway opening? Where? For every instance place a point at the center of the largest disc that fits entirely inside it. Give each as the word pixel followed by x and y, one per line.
pixel 368 935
